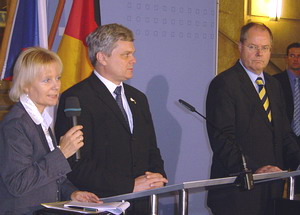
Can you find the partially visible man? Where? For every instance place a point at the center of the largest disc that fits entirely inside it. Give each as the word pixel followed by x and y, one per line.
pixel 120 154
pixel 290 82
pixel 246 107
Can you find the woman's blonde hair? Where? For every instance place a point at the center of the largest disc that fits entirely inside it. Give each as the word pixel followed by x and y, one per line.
pixel 29 64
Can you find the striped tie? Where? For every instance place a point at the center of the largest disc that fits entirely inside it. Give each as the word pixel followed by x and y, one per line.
pixel 296 119
pixel 263 96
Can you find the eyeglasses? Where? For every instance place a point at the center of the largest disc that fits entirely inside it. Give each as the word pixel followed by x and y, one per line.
pixel 255 48
pixel 293 56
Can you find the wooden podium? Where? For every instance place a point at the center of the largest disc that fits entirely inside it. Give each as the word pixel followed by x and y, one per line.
pixel 184 187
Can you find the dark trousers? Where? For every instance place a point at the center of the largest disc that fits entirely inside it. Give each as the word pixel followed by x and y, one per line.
pixel 139 206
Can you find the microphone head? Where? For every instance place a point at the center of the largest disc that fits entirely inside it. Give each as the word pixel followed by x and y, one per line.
pixel 72 106
pixel 187 105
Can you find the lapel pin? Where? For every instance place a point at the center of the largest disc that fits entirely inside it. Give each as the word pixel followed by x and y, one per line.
pixel 132 100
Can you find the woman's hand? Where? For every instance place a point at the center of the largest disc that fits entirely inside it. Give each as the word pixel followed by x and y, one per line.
pixel 71 141
pixel 83 196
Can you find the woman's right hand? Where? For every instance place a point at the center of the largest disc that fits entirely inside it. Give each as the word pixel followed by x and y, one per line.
pixel 71 141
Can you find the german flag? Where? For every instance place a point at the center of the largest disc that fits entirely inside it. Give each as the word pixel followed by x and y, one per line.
pixel 83 19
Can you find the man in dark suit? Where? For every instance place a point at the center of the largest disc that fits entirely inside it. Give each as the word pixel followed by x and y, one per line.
pixel 120 154
pixel 288 77
pixel 288 80
pixel 246 107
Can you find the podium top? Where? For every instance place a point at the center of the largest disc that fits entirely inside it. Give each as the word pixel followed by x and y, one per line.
pixel 205 184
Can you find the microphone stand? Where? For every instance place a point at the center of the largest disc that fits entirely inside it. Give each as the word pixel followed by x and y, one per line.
pixel 244 179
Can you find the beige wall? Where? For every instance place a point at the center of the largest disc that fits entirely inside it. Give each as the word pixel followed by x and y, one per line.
pixel 234 13
pixel 231 18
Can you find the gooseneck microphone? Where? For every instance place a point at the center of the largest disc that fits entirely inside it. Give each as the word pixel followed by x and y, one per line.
pixel 245 178
pixel 72 109
pixel 191 108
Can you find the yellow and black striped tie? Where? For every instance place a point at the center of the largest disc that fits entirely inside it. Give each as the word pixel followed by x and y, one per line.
pixel 263 96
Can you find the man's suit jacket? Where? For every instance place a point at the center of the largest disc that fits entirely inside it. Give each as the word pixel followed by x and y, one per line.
pixel 235 109
pixel 111 157
pixel 29 173
pixel 284 80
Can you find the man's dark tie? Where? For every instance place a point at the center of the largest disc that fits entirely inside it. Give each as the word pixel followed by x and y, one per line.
pixel 120 103
pixel 263 96
pixel 296 119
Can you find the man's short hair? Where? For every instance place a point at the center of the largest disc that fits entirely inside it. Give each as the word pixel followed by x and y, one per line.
pixel 103 39
pixel 292 45
pixel 245 29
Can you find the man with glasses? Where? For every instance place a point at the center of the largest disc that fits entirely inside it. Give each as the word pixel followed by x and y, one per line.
pixel 289 80
pixel 244 109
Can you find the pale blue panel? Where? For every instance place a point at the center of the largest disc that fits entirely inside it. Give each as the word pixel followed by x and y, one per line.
pixel 175 42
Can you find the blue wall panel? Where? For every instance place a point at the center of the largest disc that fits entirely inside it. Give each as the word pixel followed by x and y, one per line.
pixel 175 43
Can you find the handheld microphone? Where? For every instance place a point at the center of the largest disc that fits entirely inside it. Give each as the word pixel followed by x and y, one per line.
pixel 245 178
pixel 72 109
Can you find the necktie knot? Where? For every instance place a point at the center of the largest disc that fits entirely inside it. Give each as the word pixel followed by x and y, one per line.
pixel 118 90
pixel 259 81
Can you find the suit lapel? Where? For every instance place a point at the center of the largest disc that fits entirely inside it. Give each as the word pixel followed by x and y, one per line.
pixel 288 94
pixel 288 88
pixel 43 138
pixel 53 138
pixel 132 104
pixel 273 99
pixel 106 97
pixel 39 130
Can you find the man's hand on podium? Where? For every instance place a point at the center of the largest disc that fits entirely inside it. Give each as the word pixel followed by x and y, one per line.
pixel 149 181
pixel 268 168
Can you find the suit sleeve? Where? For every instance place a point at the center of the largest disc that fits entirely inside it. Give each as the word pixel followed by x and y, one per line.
pixel 156 161
pixel 20 171
pixel 220 112
pixel 67 188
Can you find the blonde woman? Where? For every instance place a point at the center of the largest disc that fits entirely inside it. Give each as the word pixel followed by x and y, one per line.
pixel 32 167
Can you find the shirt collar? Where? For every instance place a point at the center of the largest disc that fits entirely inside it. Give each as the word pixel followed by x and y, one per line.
pixel 45 119
pixel 291 75
pixel 252 75
pixel 110 85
